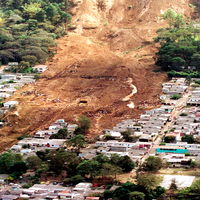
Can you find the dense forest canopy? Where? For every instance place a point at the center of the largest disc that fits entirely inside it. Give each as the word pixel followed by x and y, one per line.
pixel 180 43
pixel 28 28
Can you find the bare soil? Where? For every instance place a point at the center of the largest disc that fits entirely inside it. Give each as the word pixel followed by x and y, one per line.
pixel 88 75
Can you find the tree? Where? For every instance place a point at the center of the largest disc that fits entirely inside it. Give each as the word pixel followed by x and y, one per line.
pixel 7 160
pixel 75 179
pixel 43 170
pixel 173 18
pixel 101 159
pixel 62 160
pixel 177 62
pixel 77 141
pixel 40 16
pixel 108 169
pixel 115 159
pixel 136 195
pixel 32 8
pixel 191 192
pixel 175 96
pixel 84 123
pixel 148 181
pixel 195 60
pixel 188 138
pixel 169 139
pixel 123 191
pixel 173 185
pixel 152 164
pixel 18 167
pixel 126 163
pixel 33 162
pixel 23 66
pixel 193 163
pixel 129 136
pixel 62 134
pixel 89 167
pixel 170 16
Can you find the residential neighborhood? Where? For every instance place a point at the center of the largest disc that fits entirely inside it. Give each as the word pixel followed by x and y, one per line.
pixel 168 132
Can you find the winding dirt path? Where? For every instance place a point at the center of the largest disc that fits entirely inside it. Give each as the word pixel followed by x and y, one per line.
pixel 134 91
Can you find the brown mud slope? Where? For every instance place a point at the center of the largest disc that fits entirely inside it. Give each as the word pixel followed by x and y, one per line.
pixel 112 41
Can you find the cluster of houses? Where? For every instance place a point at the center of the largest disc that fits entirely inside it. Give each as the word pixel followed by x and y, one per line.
pixel 147 128
pixel 152 124
pixel 9 83
pixel 174 87
pixel 194 99
pixel 46 191
pixel 41 139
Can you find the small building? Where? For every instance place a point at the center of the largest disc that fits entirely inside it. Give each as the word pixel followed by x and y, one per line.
pixel 16 147
pixel 171 149
pixel 71 128
pixel 40 68
pixel 45 133
pixel 8 76
pixel 146 138
pixel 82 187
pixel 175 134
pixel 10 104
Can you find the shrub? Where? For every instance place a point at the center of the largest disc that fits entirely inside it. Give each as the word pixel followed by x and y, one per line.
pixel 21 137
pixel 37 76
pixel 169 139
pixel 108 137
pixel 197 82
pixel 108 194
pixel 195 85
pixel 183 114
pixel 175 96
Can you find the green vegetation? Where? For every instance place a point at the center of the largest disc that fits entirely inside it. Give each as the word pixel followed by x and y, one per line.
pixel 197 82
pixel 183 114
pixel 191 192
pixel 188 138
pixel 84 124
pixel 28 29
pixel 169 139
pixel 176 96
pixel 62 134
pixel 21 137
pixel 195 85
pixel 180 46
pixel 152 164
pixel 146 188
pixel 129 136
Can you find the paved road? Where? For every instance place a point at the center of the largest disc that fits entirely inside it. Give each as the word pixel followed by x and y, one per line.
pixel 176 112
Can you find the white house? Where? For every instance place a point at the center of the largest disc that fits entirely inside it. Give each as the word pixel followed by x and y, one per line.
pixel 40 68
pixel 10 104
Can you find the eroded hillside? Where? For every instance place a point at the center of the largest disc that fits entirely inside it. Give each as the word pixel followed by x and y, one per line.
pixel 109 42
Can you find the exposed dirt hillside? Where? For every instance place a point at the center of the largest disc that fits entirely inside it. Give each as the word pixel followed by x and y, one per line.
pixel 112 41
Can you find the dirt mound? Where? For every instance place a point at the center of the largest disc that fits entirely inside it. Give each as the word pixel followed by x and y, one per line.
pixel 112 42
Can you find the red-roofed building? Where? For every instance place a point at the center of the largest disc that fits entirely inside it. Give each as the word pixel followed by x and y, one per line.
pixel 176 134
pixel 197 118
